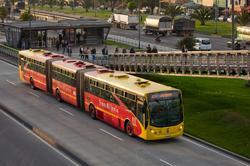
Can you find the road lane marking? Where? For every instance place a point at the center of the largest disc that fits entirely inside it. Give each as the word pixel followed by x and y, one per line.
pixel 166 162
pixel 12 83
pixel 9 64
pixel 34 94
pixel 8 73
pixel 46 143
pixel 67 112
pixel 120 139
pixel 212 150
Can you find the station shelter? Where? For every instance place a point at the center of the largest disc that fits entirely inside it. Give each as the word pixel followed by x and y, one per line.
pixel 44 34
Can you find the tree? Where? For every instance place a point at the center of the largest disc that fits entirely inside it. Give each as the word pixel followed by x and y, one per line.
pixel 26 16
pixel 243 18
pixel 189 42
pixel 61 4
pixel 3 13
pixel 86 4
pixel 172 10
pixel 151 4
pixel 131 6
pixel 202 14
pixel 113 2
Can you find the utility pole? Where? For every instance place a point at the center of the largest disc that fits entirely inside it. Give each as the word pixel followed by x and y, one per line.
pixel 159 7
pixel 29 25
pixel 216 16
pixel 139 31
pixel 233 40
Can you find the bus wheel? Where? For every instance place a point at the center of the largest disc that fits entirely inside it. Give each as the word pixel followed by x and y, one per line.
pixel 92 112
pixel 32 86
pixel 58 96
pixel 129 128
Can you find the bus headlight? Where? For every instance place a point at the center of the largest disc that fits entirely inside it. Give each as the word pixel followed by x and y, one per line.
pixel 152 131
pixel 181 128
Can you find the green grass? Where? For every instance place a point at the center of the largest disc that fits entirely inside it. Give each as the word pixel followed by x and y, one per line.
pixel 223 28
pixel 216 110
pixel 102 14
pixel 120 45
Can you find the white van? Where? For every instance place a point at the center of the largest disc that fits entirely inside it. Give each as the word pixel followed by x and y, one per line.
pixel 202 44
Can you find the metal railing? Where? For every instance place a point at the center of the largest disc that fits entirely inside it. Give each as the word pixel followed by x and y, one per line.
pixel 195 62
pixel 8 51
pixel 135 43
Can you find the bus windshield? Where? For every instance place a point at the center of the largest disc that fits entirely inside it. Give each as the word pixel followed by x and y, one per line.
pixel 165 110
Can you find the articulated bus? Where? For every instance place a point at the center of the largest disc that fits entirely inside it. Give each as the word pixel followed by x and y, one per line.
pixel 137 106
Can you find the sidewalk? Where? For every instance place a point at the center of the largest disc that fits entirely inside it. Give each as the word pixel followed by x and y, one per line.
pixel 75 50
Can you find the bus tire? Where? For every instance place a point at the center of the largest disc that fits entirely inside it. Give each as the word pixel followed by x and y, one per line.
pixel 92 112
pixel 58 96
pixel 32 86
pixel 129 128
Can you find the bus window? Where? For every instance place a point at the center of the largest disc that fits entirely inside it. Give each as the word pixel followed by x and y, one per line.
pixel 142 113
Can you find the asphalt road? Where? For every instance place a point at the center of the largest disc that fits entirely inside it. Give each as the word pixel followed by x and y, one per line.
pixel 218 43
pixel 19 147
pixel 96 142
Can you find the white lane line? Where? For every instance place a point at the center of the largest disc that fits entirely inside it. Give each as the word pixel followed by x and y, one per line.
pixel 224 155
pixel 120 139
pixel 34 94
pixel 29 131
pixel 67 112
pixel 166 162
pixel 9 64
pixel 12 83
pixel 8 73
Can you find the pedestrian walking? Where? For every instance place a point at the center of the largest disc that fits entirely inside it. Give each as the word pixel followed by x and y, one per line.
pixel 81 49
pixel 124 50
pixel 131 50
pixel 57 45
pixel 69 50
pixel 154 50
pixel 184 48
pixel 116 50
pixel 148 48
pixel 93 54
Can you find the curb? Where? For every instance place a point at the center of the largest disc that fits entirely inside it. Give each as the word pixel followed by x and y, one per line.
pixel 43 135
pixel 235 155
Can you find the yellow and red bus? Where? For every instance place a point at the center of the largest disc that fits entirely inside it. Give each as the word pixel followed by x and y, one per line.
pixel 137 106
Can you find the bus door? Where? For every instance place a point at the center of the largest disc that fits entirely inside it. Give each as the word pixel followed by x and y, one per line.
pixel 21 61
pixel 141 113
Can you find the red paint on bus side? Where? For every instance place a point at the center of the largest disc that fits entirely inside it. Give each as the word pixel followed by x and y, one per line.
pixel 67 92
pixel 38 78
pixel 114 114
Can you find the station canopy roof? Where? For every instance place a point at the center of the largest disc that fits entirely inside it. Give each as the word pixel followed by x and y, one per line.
pixel 44 25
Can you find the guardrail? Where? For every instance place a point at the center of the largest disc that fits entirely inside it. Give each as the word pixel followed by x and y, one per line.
pixel 196 62
pixel 8 51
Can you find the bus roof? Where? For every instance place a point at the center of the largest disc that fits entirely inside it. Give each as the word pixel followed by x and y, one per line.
pixel 127 82
pixel 40 55
pixel 74 64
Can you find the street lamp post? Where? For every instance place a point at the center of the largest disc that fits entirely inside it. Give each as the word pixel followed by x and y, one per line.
pixel 29 25
pixel 233 41
pixel 139 26
pixel 216 16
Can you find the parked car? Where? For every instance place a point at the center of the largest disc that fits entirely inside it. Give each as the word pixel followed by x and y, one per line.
pixel 229 19
pixel 202 44
pixel 222 18
pixel 238 42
